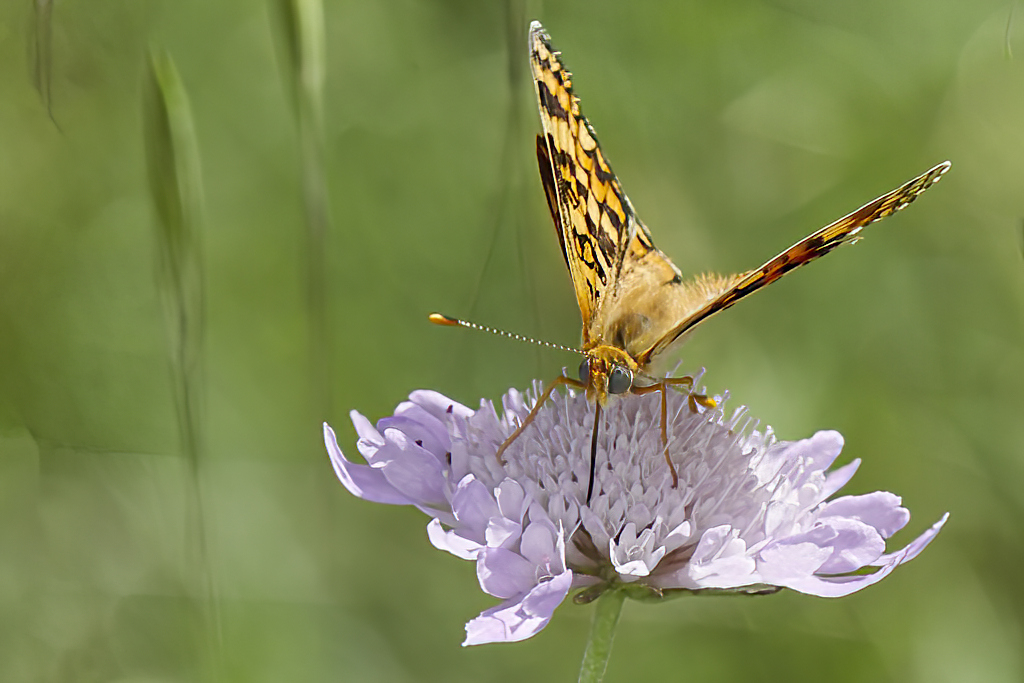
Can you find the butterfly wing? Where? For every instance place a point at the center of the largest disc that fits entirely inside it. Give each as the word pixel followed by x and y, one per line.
pixel 596 224
pixel 843 231
pixel 630 294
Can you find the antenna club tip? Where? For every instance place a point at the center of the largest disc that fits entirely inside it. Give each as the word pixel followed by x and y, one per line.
pixel 440 319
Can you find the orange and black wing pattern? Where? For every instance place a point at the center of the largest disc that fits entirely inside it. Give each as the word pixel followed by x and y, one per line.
pixel 846 230
pixel 596 224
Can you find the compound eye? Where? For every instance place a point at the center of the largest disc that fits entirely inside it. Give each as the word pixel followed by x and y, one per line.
pixel 620 380
pixel 585 371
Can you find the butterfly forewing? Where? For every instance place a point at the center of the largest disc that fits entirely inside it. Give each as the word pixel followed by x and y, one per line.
pixel 601 237
pixel 591 219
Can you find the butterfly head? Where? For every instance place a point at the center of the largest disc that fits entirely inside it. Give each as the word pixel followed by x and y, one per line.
pixel 607 370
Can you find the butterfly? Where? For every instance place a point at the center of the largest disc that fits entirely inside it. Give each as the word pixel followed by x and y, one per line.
pixel 635 304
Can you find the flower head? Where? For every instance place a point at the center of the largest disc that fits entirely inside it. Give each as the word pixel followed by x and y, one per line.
pixel 750 513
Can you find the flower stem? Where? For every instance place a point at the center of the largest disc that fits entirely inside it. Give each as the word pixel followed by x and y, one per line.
pixel 602 632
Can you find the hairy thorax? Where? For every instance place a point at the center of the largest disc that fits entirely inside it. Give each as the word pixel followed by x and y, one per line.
pixel 644 310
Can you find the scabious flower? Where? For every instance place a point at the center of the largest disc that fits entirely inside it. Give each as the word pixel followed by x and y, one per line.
pixel 750 513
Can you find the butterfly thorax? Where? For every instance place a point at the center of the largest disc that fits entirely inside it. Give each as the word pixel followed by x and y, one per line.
pixel 647 304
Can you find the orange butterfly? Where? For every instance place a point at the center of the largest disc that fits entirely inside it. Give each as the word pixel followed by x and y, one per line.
pixel 635 304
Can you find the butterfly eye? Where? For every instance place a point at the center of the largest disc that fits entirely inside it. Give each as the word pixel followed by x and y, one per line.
pixel 620 380
pixel 585 371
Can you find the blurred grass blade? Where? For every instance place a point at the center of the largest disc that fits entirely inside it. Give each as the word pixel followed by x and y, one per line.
pixel 42 52
pixel 175 185
pixel 302 22
pixel 303 25
pixel 172 154
pixel 1007 38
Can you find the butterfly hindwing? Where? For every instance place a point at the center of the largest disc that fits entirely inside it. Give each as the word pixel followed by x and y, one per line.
pixel 547 179
pixel 843 231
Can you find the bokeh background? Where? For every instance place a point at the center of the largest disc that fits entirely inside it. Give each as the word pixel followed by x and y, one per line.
pixel 736 128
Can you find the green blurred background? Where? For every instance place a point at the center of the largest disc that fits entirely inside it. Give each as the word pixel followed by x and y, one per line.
pixel 736 128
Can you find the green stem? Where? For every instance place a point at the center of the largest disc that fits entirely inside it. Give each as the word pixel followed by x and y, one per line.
pixel 602 632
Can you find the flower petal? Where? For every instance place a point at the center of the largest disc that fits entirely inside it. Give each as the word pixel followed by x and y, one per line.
pixel 515 620
pixel 540 544
pixel 418 426
pixel 412 470
pixel 449 540
pixel 833 546
pixel 439 405
pixel 812 455
pixel 363 481
pixel 473 505
pixel 782 563
pixel 512 499
pixel 505 574
pixel 720 560
pixel 914 547
pixel 881 510
pixel 632 556
pixel 502 532
pixel 369 438
pixel 838 586
pixel 822 449
pixel 838 478
pixel 854 545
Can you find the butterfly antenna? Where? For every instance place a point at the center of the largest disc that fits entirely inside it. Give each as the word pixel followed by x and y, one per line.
pixel 440 319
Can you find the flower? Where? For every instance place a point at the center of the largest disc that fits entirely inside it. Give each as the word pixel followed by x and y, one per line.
pixel 750 513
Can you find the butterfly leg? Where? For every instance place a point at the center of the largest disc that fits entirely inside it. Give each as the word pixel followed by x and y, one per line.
pixel 562 379
pixel 664 429
pixel 693 399
pixel 662 387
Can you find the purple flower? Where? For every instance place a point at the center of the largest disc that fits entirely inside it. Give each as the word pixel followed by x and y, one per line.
pixel 750 513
